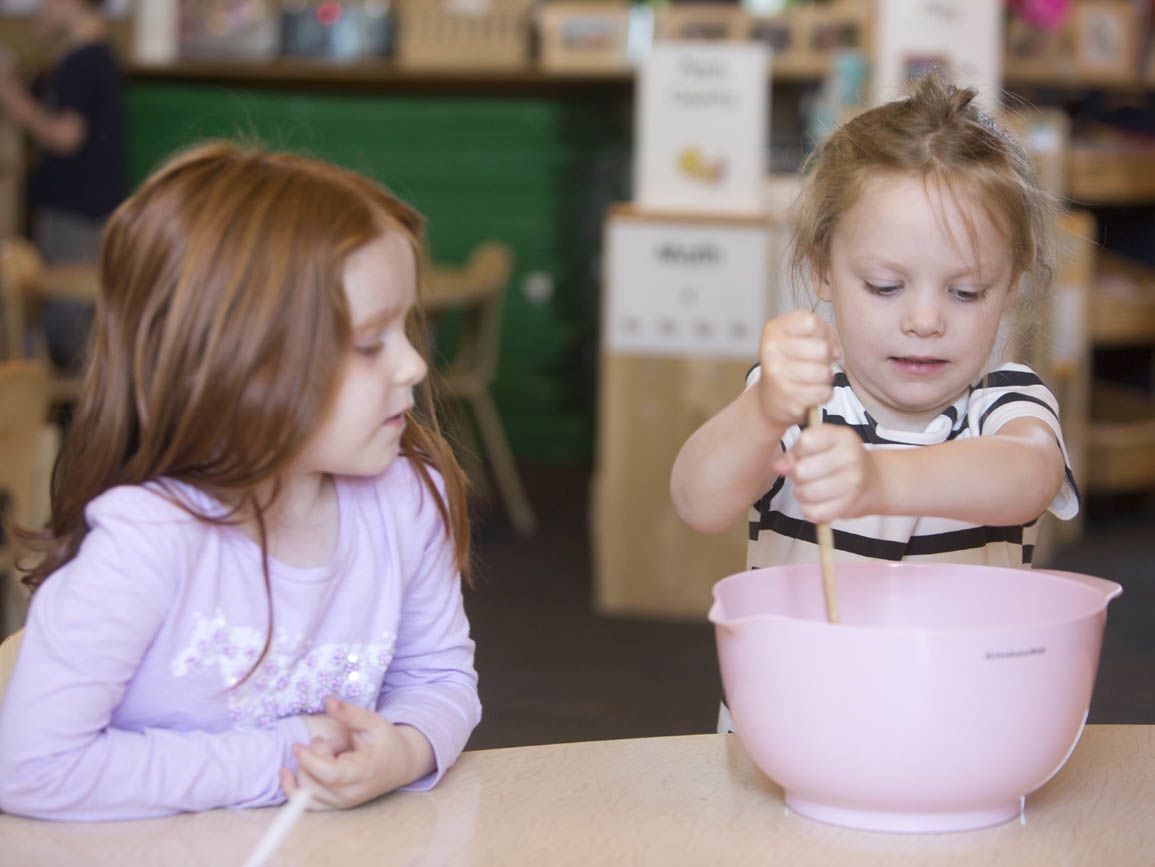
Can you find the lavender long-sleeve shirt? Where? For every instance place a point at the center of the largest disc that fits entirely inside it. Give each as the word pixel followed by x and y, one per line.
pixel 125 699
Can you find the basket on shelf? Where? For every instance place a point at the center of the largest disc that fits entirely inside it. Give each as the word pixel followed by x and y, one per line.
pixel 703 21
pixel 463 34
pixel 805 38
pixel 584 36
pixel 1111 168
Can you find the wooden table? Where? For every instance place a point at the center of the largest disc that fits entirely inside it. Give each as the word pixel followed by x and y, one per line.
pixel 693 800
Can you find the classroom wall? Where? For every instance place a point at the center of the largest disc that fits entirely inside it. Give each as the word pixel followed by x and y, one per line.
pixel 534 172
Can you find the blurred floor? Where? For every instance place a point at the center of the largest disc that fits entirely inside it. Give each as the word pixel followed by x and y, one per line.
pixel 552 671
pixel 1120 544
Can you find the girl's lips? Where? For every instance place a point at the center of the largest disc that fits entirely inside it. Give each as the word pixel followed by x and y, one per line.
pixel 399 418
pixel 911 364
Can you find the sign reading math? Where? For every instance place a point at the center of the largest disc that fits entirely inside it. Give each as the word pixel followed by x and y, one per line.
pixel 685 288
pixel 701 128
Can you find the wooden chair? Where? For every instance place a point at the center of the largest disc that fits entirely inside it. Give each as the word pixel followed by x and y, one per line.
pixel 477 289
pixel 20 268
pixel 28 445
pixel 25 281
pixel 9 650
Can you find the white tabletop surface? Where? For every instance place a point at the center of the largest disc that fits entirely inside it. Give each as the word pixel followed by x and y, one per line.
pixel 692 800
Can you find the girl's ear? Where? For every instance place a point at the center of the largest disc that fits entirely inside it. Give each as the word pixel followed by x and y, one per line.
pixel 1014 294
pixel 820 279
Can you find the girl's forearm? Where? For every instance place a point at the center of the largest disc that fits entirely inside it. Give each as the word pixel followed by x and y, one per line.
pixel 725 466
pixel 1001 480
pixel 419 759
pixel 122 774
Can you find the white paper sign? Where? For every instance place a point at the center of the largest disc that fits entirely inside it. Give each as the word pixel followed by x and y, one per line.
pixel 156 36
pixel 701 127
pixel 964 37
pixel 685 289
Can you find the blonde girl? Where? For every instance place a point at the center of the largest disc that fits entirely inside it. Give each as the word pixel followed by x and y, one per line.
pixel 921 226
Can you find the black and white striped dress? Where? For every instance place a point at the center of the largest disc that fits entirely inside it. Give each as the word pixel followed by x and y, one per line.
pixel 779 534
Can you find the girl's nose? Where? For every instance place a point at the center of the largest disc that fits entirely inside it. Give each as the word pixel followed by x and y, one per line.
pixel 411 367
pixel 923 318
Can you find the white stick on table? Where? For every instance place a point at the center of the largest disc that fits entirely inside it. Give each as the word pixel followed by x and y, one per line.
pixel 281 827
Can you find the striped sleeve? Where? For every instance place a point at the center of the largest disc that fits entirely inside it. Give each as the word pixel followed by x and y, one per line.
pixel 791 436
pixel 1015 391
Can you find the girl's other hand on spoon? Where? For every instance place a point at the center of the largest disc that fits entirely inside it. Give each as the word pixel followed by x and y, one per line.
pixel 832 471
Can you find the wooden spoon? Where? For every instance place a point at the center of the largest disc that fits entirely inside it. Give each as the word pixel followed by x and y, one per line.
pixel 826 547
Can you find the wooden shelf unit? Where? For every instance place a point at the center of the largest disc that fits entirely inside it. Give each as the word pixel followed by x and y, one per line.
pixel 1121 435
pixel 387 75
pixel 1111 172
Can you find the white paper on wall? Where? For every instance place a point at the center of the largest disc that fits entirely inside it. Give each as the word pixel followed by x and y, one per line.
pixel 965 37
pixel 156 32
pixel 701 127
pixel 686 289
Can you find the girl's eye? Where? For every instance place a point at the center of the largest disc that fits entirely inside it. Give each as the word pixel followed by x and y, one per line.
pixel 968 295
pixel 370 350
pixel 882 289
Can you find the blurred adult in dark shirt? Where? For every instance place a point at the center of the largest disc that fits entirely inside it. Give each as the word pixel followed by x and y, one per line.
pixel 75 116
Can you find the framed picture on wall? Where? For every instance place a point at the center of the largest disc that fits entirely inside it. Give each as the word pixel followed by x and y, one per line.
pixel 1033 53
pixel 1106 39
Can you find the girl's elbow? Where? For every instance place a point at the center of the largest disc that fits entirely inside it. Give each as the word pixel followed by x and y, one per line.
pixel 21 797
pixel 1039 498
pixel 43 787
pixel 13 785
pixel 15 805
pixel 699 520
pixel 10 800
pixel 682 507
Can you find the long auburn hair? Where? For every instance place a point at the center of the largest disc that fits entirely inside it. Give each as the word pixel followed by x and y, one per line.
pixel 221 330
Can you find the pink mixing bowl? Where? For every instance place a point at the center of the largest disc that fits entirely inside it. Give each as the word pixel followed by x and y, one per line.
pixel 945 695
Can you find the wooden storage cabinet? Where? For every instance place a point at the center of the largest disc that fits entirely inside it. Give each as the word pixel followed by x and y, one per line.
pixel 1121 437
pixel 1123 440
pixel 684 302
pixel 1111 170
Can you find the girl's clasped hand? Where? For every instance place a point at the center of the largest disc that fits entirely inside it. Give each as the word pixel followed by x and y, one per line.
pixel 353 756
